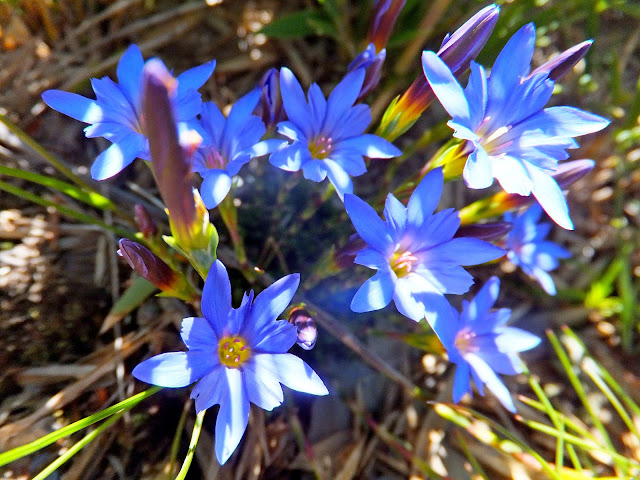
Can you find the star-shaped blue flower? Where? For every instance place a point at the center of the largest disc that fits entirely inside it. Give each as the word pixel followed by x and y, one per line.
pixel 327 136
pixel 237 356
pixel 116 114
pixel 482 347
pixel 413 249
pixel 229 144
pixel 511 137
pixel 528 249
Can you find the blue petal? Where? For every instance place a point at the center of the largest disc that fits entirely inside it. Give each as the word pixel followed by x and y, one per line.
pixel 513 339
pixel 461 382
pixel 395 214
pixel 476 94
pixel 265 147
pixel 341 99
pixel 550 197
pixel 73 105
pixel 425 198
pixel 113 132
pixel 338 177
pixel 275 337
pixel 370 146
pixel 437 229
pixel 358 119
pixel 368 224
pixel 477 171
pixel 315 170
pixel 211 389
pixel 197 334
pixel 271 302
pixel 352 163
pixel 118 156
pixel 129 73
pixel 415 297
pixel 263 388
pixel 233 416
pixel 213 122
pixel 371 258
pixel 569 121
pixel 195 77
pixel 115 106
pixel 215 187
pixel 295 103
pixel 291 131
pixel 241 112
pixel 216 298
pixel 292 157
pixel 544 280
pixel 512 175
pixel 476 309
pixel 175 369
pixel 446 87
pixel 317 104
pixel 493 382
pixel 446 277
pixel 465 251
pixel 375 293
pixel 292 372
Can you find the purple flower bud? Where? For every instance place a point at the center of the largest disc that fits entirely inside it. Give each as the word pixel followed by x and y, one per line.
pixel 148 265
pixel 343 257
pixel 171 167
pixel 385 14
pixel 560 65
pixel 306 326
pixel 485 231
pixel 570 172
pixel 144 221
pixel 269 107
pixel 372 63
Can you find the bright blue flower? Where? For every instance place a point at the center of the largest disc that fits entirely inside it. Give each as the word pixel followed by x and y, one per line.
pixel 116 114
pixel 327 136
pixel 481 346
pixel 413 249
pixel 237 356
pixel 229 143
pixel 528 248
pixel 511 137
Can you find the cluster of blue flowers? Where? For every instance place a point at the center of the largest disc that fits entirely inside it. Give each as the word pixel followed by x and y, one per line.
pixel 238 356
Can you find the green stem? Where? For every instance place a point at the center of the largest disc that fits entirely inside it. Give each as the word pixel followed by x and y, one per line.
pixel 177 437
pixel 197 427
pixel 229 214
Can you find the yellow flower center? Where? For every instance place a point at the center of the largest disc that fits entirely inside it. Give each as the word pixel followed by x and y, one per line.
pixel 233 351
pixel 321 147
pixel 402 263
pixel 464 340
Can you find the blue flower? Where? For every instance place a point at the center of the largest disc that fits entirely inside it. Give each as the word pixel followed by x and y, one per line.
pixel 229 143
pixel 116 114
pixel 481 346
pixel 327 136
pixel 236 355
pixel 511 137
pixel 413 249
pixel 528 248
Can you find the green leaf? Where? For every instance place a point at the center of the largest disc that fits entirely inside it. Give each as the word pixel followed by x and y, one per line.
pixel 300 24
pixel 132 298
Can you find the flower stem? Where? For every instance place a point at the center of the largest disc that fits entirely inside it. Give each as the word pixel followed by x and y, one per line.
pixel 192 447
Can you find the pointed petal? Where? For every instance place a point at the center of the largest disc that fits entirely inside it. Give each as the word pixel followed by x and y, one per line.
pixel 73 105
pixel 175 369
pixel 118 156
pixel 513 339
pixel 371 146
pixel 275 337
pixel 484 300
pixel 493 382
pixel 291 158
pixel 129 74
pixel 263 388
pixel 550 197
pixel 338 177
pixel 465 251
pixel 195 77
pixel 233 416
pixel 425 198
pixel 477 171
pixel 371 258
pixel 211 389
pixel 375 293
pixel 197 334
pixel 446 87
pixel 295 103
pixel 368 224
pixel 340 100
pixel 271 302
pixel 216 298
pixel 395 213
pixel 415 297
pixel 215 187
pixel 461 382
pixel 292 372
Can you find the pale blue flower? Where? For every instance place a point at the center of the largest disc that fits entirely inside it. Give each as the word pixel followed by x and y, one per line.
pixel 417 259
pixel 482 347
pixel 511 137
pixel 327 136
pixel 237 356
pixel 116 114
pixel 228 145
pixel 528 249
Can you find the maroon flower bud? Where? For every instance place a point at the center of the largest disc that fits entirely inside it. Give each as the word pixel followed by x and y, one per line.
pixel 568 173
pixel 343 257
pixel 144 221
pixel 171 167
pixel 385 14
pixel 306 326
pixel 488 232
pixel 270 107
pixel 148 265
pixel 560 65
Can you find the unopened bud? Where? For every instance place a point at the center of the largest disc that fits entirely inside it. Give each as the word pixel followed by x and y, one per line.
pixel 344 256
pixel 306 326
pixel 148 265
pixel 270 107
pixel 372 63
pixel 385 14
pixel 561 64
pixel 568 173
pixel 144 221
pixel 485 231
